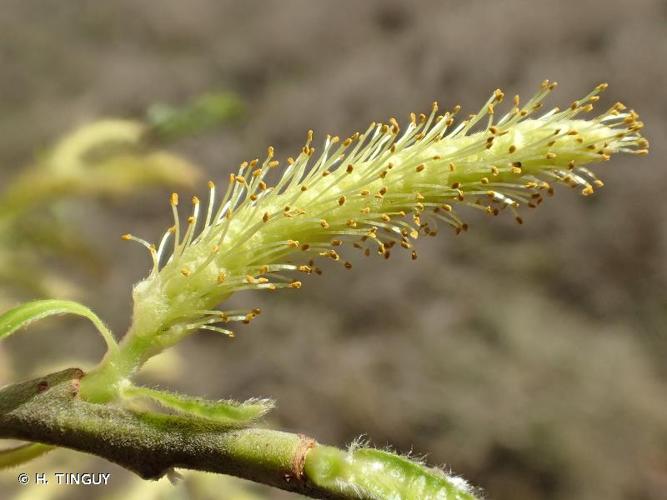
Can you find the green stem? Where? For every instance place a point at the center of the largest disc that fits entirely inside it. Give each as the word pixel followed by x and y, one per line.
pixel 104 383
pixel 48 410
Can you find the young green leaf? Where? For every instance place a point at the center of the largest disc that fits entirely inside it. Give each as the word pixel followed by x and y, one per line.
pixel 24 314
pixel 227 412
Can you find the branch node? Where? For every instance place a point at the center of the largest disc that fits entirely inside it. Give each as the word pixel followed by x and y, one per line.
pixel 299 458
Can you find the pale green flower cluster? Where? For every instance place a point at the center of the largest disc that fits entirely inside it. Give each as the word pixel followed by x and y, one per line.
pixel 373 192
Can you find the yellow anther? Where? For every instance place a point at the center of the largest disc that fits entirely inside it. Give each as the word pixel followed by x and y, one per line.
pixel 588 190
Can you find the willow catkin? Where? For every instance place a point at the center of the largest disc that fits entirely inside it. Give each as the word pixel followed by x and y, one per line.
pixel 374 192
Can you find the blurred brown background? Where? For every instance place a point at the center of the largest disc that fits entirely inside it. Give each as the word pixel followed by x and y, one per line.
pixel 531 360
